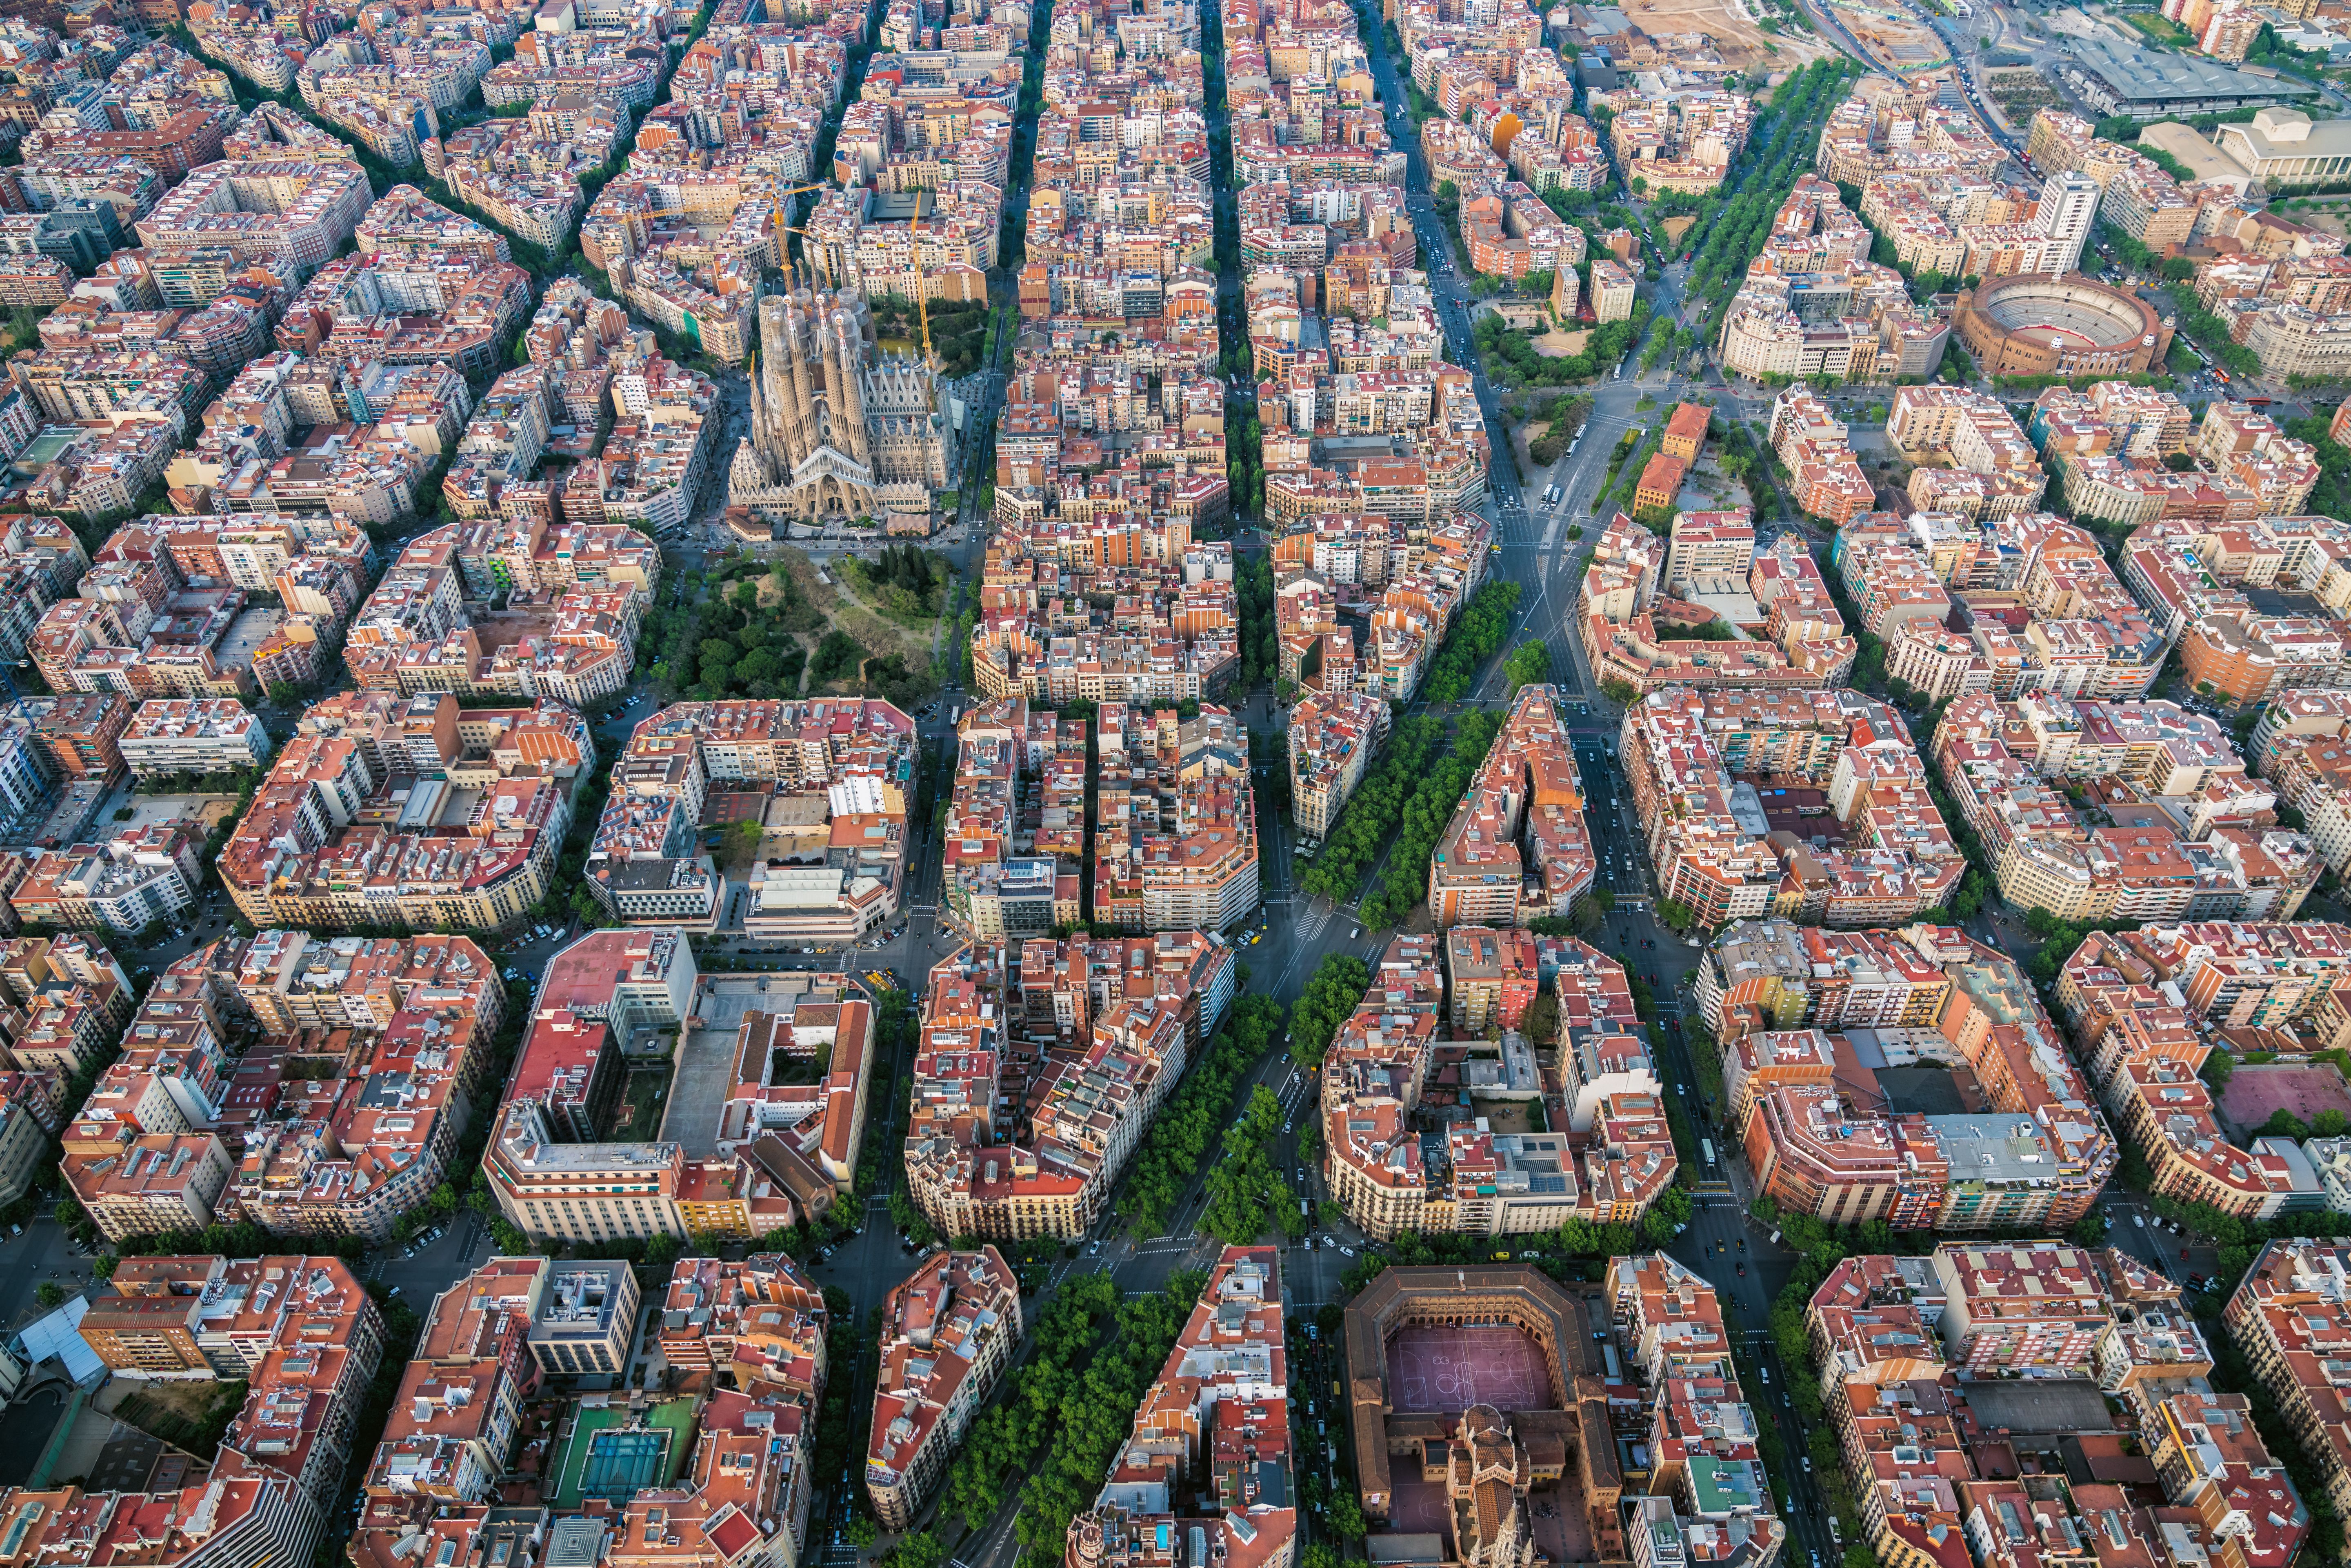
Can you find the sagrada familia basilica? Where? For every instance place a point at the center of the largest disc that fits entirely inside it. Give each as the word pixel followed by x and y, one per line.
pixel 839 429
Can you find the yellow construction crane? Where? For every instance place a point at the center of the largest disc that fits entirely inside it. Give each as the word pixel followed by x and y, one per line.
pixel 781 227
pixel 915 234
pixel 922 290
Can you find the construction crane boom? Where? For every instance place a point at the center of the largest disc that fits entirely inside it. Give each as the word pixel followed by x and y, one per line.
pixel 922 290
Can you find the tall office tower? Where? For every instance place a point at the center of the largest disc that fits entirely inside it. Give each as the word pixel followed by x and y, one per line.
pixel 2068 206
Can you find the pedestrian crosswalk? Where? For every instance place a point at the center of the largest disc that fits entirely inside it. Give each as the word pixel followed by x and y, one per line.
pixel 1317 917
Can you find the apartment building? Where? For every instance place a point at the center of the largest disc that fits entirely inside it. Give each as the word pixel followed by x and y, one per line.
pixel 2014 1310
pixel 293 215
pixel 2218 859
pixel 1492 978
pixel 2146 1006
pixel 1607 1167
pixel 150 1185
pixel 1326 556
pixel 582 1192
pixel 1689 757
pixel 784 1144
pixel 75 999
pixel 585 1321
pixel 1706 548
pixel 201 736
pixel 1806 645
pixel 949 1332
pixel 210 1317
pixel 1222 1391
pixel 311 850
pixel 1813 303
pixel 1899 1397
pixel 755 1323
pixel 459 1411
pixel 1516 847
pixel 2045 609
pixel 2288 1318
pixel 1827 482
pixel 1613 290
pixel 413 1016
pixel 1974 461
pixel 31 1114
pixel 1332 737
pixel 1158 773
pixel 577 648
pixel 2295 747
pixel 1706 1486
pixel 2243 467
pixel 1830 1136
pixel 828 778
pixel 1123 1015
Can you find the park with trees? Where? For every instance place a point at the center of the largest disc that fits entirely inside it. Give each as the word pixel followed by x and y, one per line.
pixel 756 632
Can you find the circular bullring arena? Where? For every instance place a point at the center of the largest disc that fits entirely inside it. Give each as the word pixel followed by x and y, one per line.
pixel 2034 325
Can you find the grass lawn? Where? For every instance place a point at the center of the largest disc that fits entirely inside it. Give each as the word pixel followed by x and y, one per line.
pixel 2158 27
pixel 677 1415
pixel 641 1106
pixel 190 1415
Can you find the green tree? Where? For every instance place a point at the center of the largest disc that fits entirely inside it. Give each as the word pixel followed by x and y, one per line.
pixel 2284 1123
pixel 1331 995
pixel 49 1295
pixel 739 845
pixel 1530 662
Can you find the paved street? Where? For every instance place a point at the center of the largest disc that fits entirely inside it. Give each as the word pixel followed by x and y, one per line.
pixel 1296 932
pixel 43 1254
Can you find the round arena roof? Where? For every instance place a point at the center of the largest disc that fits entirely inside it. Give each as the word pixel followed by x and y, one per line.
pixel 2064 312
